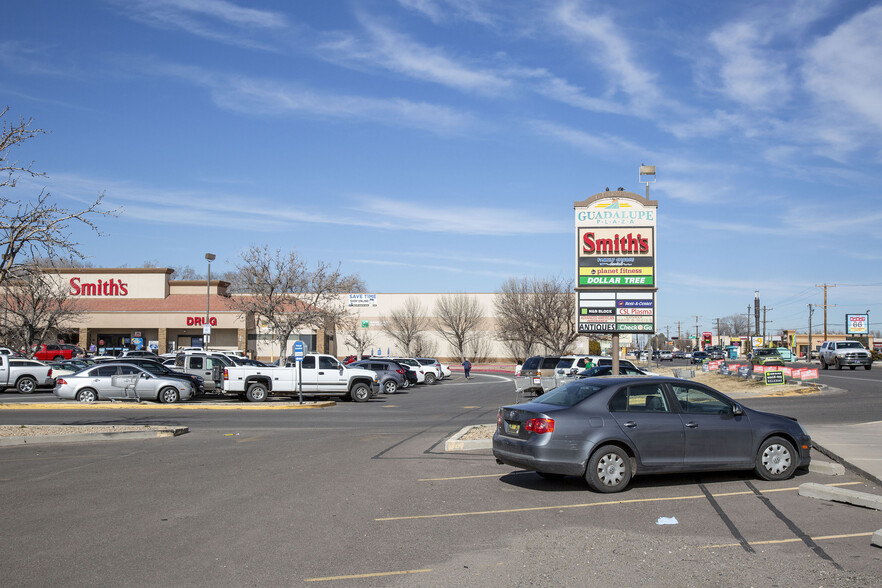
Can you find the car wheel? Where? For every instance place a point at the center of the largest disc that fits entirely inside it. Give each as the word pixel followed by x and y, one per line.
pixel 390 387
pixel 866 367
pixel 823 364
pixel 836 363
pixel 609 469
pixel 776 459
pixel 87 395
pixel 360 393
pixel 256 393
pixel 430 379
pixel 26 385
pixel 168 395
pixel 58 358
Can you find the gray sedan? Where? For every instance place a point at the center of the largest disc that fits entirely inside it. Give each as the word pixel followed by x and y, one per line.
pixel 112 381
pixel 611 428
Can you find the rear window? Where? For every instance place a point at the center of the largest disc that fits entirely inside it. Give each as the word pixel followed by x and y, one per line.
pixel 532 363
pixel 549 362
pixel 569 394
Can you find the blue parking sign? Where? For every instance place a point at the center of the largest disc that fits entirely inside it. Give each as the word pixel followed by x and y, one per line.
pixel 298 350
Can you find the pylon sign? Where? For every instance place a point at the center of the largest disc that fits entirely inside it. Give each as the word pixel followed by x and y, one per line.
pixel 616 277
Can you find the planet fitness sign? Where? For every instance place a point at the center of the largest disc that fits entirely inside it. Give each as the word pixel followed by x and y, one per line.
pixel 615 263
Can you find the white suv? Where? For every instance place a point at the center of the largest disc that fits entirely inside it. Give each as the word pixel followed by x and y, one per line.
pixel 424 374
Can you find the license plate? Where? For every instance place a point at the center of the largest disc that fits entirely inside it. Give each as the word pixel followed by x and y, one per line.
pixel 537 380
pixel 512 428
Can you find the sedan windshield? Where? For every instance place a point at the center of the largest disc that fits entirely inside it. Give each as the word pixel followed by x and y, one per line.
pixel 570 394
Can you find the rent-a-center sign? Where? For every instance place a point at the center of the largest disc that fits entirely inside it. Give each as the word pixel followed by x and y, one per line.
pixel 615 263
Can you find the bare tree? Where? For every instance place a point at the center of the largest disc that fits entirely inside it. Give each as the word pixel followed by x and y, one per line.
pixel 185 272
pixel 556 301
pixel 356 336
pixel 536 313
pixel 516 317
pixel 37 307
pixel 423 346
pixel 733 325
pixel 406 324
pixel 459 317
pixel 36 226
pixel 287 294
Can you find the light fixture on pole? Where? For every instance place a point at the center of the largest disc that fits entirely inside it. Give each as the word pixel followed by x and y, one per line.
pixel 646 175
pixel 206 328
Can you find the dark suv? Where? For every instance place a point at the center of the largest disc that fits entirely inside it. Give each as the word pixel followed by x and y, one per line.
pixel 537 374
pixel 390 374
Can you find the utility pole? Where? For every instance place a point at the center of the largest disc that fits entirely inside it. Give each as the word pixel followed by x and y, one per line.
pixel 719 335
pixel 697 339
pixel 680 340
pixel 749 343
pixel 825 286
pixel 808 355
pixel 764 322
pixel 756 309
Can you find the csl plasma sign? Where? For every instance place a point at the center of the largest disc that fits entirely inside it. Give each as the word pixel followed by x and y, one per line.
pixel 615 263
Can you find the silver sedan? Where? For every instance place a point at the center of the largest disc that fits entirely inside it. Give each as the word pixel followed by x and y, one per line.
pixel 118 381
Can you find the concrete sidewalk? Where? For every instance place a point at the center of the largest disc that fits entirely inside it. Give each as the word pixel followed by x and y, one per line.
pixel 857 447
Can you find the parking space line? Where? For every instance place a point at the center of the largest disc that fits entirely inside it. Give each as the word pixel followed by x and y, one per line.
pixel 588 504
pixel 793 540
pixel 470 477
pixel 374 575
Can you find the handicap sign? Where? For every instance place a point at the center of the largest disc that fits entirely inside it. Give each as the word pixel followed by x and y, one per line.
pixel 299 349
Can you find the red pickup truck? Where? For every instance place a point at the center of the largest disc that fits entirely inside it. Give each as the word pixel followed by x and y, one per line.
pixel 56 352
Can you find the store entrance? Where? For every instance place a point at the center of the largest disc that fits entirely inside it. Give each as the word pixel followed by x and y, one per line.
pixel 189 341
pixel 113 344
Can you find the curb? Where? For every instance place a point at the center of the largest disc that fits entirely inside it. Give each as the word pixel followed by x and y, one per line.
pixel 157 406
pixel 877 538
pixel 84 437
pixel 457 444
pixel 827 468
pixel 844 462
pixel 865 499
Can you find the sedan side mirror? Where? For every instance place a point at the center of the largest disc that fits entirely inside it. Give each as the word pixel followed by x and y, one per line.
pixel 737 410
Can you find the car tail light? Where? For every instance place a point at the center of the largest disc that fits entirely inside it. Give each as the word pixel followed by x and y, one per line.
pixel 49 375
pixel 226 375
pixel 60 382
pixel 540 426
pixel 399 372
pixel 499 419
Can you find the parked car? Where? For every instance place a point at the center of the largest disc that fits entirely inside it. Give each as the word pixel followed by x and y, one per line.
pixel 158 369
pixel 428 362
pixel 117 380
pixel 56 352
pixel 766 356
pixel 390 374
pixel 700 356
pixel 423 375
pixel 130 353
pixel 23 374
pixel 665 355
pixel 205 364
pixel 537 374
pixel 570 365
pixel 608 430
pixel 606 370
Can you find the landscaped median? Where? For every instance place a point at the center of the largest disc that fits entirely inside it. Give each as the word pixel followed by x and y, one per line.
pixel 42 434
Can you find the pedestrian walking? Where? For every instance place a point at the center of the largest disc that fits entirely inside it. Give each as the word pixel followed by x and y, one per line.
pixel 467 368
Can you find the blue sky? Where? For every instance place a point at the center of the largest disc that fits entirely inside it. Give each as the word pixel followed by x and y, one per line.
pixel 439 145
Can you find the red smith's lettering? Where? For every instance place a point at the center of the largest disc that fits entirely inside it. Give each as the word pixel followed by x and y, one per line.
pixel 109 287
pixel 624 244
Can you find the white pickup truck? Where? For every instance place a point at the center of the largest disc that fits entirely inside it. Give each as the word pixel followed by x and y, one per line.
pixel 848 353
pixel 24 374
pixel 323 375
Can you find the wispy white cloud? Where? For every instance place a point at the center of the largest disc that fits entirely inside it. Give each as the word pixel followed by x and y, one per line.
pixel 844 69
pixel 217 20
pixel 31 59
pixel 254 96
pixel 393 51
pixel 443 11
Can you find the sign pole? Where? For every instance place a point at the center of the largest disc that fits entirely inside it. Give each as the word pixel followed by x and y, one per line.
pixel 299 350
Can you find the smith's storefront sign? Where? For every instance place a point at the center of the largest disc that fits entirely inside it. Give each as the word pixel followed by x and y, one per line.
pixel 111 287
pixel 615 263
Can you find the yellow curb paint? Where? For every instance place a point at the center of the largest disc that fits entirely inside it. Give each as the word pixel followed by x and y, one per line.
pixel 589 504
pixel 157 406
pixel 794 540
pixel 375 575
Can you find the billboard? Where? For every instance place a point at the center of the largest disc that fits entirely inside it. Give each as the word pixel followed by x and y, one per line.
pixel 616 276
pixel 857 324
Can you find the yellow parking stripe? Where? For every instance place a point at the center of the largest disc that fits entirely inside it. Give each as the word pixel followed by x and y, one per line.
pixel 794 540
pixel 358 576
pixel 158 406
pixel 589 504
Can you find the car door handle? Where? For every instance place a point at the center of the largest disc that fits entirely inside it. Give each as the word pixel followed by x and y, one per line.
pixel 692 424
pixel 321 373
pixel 631 424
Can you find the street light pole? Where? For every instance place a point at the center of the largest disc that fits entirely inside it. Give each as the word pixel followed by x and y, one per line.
pixel 206 328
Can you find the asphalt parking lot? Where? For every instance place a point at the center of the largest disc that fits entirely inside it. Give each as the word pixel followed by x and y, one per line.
pixel 363 494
